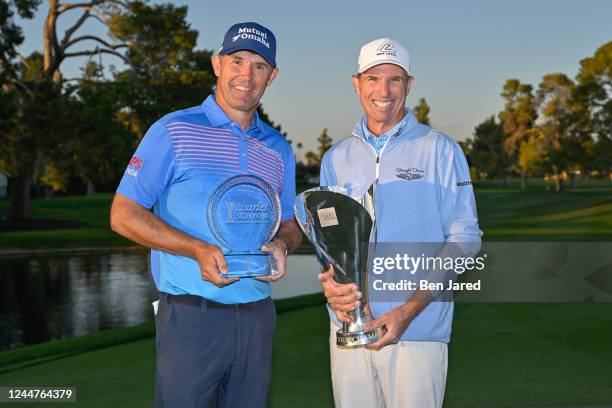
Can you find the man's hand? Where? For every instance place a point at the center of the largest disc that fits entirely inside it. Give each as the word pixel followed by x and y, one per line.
pixel 392 324
pixel 138 224
pixel 341 297
pixel 277 248
pixel 212 264
pixel 395 322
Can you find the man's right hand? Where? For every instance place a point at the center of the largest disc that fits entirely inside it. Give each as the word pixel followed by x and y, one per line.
pixel 212 264
pixel 341 297
pixel 138 224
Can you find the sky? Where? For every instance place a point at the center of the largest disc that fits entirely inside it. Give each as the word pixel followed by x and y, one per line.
pixel 461 52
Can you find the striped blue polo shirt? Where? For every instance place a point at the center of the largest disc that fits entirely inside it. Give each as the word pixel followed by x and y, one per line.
pixel 180 161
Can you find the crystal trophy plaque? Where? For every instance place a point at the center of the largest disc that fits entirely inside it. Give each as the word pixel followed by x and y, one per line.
pixel 243 214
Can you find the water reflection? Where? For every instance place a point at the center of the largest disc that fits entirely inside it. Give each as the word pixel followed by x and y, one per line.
pixel 45 298
pixel 54 297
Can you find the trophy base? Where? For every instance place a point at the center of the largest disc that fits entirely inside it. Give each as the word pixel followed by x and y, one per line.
pixel 356 339
pixel 250 265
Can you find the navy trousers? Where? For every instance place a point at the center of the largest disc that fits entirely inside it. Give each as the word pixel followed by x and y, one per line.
pixel 213 357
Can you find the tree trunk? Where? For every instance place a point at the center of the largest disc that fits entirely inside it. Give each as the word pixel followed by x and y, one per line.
pixel 523 180
pixel 48 36
pixel 558 183
pixel 558 180
pixel 20 195
pixel 52 53
pixel 576 180
pixel 91 188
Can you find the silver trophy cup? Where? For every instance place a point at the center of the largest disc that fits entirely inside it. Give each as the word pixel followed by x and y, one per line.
pixel 339 228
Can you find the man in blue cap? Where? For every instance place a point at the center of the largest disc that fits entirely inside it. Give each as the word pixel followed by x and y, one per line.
pixel 214 334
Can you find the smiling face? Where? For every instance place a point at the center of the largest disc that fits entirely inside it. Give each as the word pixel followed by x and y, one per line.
pixel 242 78
pixel 382 92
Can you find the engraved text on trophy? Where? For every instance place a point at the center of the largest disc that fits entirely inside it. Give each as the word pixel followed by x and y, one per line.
pixel 246 213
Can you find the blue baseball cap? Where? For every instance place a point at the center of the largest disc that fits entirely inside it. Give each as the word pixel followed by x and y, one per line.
pixel 250 36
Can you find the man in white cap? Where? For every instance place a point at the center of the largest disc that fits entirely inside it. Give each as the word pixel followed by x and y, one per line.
pixel 423 194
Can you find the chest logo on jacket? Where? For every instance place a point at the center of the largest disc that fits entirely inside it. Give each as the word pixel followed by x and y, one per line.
pixel 409 174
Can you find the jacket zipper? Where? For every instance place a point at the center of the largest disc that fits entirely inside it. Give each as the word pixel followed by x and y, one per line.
pixel 375 183
pixel 378 155
pixel 378 160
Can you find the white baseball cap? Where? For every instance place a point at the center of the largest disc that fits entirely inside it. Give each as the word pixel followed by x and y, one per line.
pixel 383 51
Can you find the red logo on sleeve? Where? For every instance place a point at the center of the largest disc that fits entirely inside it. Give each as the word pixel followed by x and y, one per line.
pixel 134 165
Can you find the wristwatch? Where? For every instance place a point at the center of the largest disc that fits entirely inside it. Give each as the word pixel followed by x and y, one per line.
pixel 285 243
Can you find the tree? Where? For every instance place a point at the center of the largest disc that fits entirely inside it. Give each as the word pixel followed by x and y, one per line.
pixel 421 111
pixel 41 118
pixel 100 146
pixel 36 82
pixel 517 120
pixel 325 142
pixel 11 37
pixel 312 159
pixel 487 150
pixel 556 122
pixel 165 73
pixel 13 91
pixel 532 155
pixel 593 97
pixel 299 147
pixel 55 51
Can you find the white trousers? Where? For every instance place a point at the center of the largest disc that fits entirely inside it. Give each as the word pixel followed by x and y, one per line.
pixel 409 374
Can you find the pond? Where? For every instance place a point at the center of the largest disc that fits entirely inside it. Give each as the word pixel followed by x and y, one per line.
pixel 45 297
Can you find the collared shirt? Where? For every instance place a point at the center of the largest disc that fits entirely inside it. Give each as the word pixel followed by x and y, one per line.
pixel 378 142
pixel 181 160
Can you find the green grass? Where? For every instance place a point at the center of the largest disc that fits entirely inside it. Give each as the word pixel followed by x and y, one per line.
pixel 502 355
pixel 16 359
pixel 530 354
pixel 574 215
pixel 92 211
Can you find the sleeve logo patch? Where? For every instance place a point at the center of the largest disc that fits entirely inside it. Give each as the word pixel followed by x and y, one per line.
pixel 464 183
pixel 134 165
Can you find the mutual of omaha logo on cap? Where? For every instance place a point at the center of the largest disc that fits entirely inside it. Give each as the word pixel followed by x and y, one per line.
pixel 245 33
pixel 383 51
pixel 250 36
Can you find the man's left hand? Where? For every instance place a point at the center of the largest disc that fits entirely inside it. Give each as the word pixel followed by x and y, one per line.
pixel 395 322
pixel 277 248
pixel 392 325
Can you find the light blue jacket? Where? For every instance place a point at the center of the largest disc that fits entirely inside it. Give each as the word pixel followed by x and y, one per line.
pixel 423 193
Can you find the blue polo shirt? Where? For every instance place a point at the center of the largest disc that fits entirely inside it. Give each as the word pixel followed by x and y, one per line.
pixel 181 160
